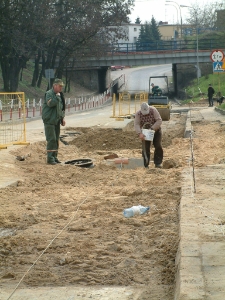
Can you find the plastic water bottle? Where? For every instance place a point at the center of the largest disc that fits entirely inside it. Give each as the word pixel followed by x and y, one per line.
pixel 135 210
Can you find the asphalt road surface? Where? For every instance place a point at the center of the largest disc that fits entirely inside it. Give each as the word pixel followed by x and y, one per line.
pixel 137 79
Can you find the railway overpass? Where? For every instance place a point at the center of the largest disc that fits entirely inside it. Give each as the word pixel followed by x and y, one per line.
pixel 129 54
pixel 146 58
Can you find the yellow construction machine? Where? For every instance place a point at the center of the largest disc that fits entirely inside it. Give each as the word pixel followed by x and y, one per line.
pixel 158 97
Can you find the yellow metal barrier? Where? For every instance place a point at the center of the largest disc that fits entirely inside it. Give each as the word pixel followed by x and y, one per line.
pixel 12 119
pixel 126 105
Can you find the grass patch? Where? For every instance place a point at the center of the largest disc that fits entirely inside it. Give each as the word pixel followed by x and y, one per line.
pixel 195 92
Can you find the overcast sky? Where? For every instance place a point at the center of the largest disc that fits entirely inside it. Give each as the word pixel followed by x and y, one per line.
pixel 161 11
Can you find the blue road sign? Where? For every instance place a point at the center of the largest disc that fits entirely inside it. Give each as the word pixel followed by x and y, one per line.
pixel 218 66
pixel 49 73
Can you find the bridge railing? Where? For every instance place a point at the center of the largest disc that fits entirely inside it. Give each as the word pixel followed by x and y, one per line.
pixel 169 45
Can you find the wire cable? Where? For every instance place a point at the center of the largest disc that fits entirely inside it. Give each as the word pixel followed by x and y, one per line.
pixel 72 218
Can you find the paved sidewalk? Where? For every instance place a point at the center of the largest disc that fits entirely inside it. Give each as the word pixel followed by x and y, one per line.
pixel 201 255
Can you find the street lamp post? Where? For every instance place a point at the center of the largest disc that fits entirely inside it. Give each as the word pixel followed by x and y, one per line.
pixel 197 50
pixel 181 25
pixel 177 15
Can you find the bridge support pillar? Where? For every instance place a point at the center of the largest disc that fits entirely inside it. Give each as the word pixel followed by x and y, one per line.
pixel 95 79
pixel 174 71
pixel 102 79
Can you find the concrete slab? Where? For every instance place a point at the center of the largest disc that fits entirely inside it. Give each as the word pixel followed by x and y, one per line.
pixel 200 259
pixel 133 163
pixel 72 293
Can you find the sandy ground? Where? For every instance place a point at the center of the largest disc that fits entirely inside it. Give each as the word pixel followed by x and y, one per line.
pixel 98 246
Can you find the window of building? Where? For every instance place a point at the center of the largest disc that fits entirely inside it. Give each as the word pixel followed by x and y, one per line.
pixel 135 29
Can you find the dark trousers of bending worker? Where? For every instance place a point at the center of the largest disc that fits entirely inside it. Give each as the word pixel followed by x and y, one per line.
pixel 52 133
pixel 158 152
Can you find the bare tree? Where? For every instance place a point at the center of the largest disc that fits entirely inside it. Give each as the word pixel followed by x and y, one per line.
pixel 52 32
pixel 205 17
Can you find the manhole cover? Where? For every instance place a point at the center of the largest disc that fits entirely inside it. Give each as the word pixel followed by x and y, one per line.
pixel 82 162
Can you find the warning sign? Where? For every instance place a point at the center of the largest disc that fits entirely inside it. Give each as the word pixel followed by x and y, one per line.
pixel 218 66
pixel 223 65
pixel 217 55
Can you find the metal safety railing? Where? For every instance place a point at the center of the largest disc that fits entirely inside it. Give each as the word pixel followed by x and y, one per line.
pixel 15 110
pixel 187 44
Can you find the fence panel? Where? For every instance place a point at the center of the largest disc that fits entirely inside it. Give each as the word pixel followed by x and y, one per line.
pixel 12 119
pixel 127 104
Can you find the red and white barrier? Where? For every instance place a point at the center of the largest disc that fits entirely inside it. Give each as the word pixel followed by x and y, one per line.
pixel 31 109
pixel 40 106
pixel 34 107
pixel 27 107
pixel 11 110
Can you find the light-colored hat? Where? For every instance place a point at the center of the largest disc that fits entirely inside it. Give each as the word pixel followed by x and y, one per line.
pixel 58 81
pixel 144 108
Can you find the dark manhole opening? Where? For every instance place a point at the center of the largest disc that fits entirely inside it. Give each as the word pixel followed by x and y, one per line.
pixel 81 162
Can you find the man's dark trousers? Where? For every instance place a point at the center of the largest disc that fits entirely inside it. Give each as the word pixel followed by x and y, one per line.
pixel 52 133
pixel 158 152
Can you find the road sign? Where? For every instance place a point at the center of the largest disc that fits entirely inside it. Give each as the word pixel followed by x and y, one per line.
pixel 218 66
pixel 217 55
pixel 49 73
pixel 223 66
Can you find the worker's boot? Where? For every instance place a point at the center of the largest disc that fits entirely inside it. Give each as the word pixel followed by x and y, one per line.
pixel 158 166
pixel 146 162
pixel 56 159
pixel 51 158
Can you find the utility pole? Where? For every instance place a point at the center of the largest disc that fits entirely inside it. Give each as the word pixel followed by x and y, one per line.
pixel 181 25
pixel 197 46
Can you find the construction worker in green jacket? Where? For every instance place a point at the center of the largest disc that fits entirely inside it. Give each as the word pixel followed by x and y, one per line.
pixel 53 113
pixel 156 91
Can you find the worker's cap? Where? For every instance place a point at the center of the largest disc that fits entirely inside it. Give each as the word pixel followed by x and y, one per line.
pixel 58 81
pixel 144 108
pixel 152 84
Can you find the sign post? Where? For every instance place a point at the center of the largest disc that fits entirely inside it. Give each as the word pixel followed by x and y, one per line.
pixel 217 57
pixel 49 73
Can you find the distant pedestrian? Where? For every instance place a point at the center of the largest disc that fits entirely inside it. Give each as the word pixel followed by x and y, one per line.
pixel 210 94
pixel 53 113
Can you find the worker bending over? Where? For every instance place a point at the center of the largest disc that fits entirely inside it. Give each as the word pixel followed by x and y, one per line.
pixel 148 117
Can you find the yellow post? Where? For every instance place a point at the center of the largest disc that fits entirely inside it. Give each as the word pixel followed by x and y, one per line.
pixel 120 97
pixel 114 106
pixel 219 81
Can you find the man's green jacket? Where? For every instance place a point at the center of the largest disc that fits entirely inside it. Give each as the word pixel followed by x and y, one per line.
pixel 53 109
